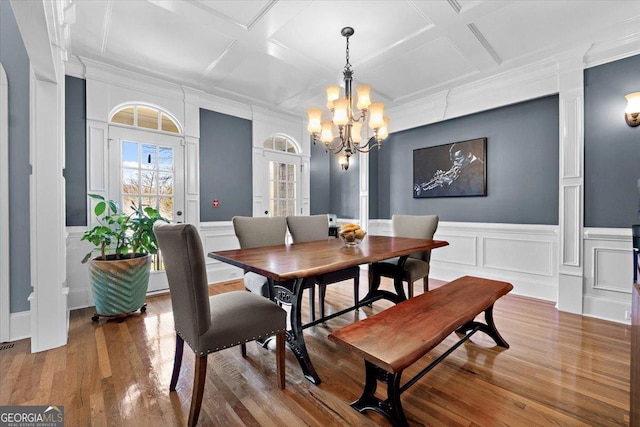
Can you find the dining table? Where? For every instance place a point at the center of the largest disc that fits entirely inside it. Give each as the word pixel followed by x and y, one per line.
pixel 291 268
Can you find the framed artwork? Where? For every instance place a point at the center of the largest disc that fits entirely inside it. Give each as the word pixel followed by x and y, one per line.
pixel 456 169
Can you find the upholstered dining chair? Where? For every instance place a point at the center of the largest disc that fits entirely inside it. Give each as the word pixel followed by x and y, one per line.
pixel 417 265
pixel 316 227
pixel 253 232
pixel 211 323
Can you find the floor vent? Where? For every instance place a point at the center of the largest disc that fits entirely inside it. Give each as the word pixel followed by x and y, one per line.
pixel 6 346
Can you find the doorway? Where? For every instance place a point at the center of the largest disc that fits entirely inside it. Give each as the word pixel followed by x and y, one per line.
pixel 147 169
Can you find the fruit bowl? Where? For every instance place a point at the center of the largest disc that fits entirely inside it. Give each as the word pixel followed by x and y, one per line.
pixel 351 234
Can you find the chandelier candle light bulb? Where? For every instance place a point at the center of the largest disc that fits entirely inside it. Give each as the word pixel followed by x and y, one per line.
pixel 348 121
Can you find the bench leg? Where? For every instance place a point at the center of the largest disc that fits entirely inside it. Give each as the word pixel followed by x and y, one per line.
pixel 489 328
pixel 391 408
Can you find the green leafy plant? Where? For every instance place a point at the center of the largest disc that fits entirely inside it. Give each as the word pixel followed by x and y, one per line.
pixel 121 234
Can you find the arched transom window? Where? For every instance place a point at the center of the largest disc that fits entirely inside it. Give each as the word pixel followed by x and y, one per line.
pixel 145 116
pixel 280 143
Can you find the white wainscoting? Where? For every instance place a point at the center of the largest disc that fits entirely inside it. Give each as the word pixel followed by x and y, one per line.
pixel 80 295
pixel 219 236
pixel 608 273
pixel 524 255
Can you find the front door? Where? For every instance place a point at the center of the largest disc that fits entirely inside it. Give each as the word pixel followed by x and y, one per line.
pixel 283 183
pixel 147 168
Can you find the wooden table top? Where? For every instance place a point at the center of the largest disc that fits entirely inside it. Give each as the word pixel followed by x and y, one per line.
pixel 308 259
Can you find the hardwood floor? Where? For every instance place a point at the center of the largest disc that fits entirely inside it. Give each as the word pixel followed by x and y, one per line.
pixel 561 369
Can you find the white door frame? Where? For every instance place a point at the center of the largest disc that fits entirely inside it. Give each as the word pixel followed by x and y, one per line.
pixel 158 279
pixel 5 313
pixel 282 157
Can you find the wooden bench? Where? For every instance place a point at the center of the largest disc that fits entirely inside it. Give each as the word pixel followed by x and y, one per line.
pixel 394 339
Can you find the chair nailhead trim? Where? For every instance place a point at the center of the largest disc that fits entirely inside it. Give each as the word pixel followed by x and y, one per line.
pixel 209 351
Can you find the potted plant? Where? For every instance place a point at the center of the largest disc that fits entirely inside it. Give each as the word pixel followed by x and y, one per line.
pixel 119 275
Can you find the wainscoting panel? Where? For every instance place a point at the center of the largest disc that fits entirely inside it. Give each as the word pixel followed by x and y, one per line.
pixel 525 255
pixel 77 273
pixel 608 273
pixel 612 269
pixel 461 250
pixel 219 236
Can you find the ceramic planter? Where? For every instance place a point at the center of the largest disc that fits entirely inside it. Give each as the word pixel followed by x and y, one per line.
pixel 119 286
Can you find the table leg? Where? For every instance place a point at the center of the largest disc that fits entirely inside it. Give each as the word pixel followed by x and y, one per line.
pixel 295 337
pixel 374 286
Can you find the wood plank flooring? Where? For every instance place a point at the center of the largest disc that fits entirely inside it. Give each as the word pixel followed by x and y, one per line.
pixel 561 369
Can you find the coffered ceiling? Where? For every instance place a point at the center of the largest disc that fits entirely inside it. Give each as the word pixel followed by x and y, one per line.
pixel 283 53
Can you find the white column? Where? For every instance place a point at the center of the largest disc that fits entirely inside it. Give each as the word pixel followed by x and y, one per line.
pixel 364 190
pixel 49 314
pixel 4 208
pixel 48 300
pixel 571 184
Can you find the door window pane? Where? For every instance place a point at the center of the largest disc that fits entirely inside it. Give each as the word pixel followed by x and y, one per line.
pixel 149 159
pixel 165 158
pixel 130 181
pixel 282 188
pixel 165 206
pixel 130 154
pixel 165 183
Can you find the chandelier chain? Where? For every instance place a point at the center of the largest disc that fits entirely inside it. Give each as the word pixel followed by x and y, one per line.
pixel 348 64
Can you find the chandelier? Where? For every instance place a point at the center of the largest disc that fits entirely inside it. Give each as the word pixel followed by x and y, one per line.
pixel 346 120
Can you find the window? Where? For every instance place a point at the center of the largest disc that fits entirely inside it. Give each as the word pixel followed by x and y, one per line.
pixel 144 116
pixel 282 188
pixel 280 143
pixel 284 165
pixel 148 177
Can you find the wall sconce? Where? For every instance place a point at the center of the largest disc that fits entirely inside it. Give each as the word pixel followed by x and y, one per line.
pixel 632 112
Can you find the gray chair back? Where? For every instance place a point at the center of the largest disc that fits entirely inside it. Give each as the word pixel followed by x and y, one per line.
pixel 186 272
pixel 416 226
pixel 308 228
pixel 253 232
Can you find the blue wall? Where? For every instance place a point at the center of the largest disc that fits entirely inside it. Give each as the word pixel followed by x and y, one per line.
pixel 320 180
pixel 15 61
pixel 225 166
pixel 334 190
pixel 522 166
pixel 611 147
pixel 75 170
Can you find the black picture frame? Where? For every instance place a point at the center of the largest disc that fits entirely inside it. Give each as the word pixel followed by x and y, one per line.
pixel 458 169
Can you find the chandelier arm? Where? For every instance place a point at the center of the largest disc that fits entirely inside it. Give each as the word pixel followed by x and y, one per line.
pixel 335 150
pixel 370 145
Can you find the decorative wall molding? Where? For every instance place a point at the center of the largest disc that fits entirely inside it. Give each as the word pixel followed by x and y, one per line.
pixel 626 44
pixel 611 269
pixel 518 253
pixel 517 85
pixel 219 236
pixel 608 273
pixel 20 326
pixel 99 71
pixel 216 103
